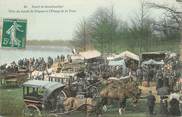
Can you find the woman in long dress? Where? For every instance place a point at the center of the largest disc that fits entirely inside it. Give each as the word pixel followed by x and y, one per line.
pixel 12 32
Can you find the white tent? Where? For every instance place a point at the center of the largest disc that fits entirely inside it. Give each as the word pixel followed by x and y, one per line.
pixel 90 54
pixel 124 55
pixel 112 57
pixel 153 62
pixel 116 63
pixel 77 57
pixel 128 54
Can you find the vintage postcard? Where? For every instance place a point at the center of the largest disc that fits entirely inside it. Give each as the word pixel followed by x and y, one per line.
pixel 90 58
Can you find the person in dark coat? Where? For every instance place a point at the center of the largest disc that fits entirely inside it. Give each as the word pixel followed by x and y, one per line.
pixel 180 103
pixel 151 102
pixel 159 83
pixel 151 74
pixel 139 75
pixel 145 76
pixel 163 105
pixel 174 107
pixel 122 106
pixel 166 80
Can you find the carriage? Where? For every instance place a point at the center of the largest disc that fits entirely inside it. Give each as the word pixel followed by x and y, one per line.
pixel 42 97
pixel 13 79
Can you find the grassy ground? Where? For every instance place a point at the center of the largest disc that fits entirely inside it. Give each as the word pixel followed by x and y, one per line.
pixel 11 105
pixel 11 102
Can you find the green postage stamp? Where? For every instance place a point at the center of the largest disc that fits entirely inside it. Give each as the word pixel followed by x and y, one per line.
pixel 14 33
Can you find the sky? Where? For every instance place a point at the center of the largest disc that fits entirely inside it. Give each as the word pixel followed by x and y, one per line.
pixel 53 26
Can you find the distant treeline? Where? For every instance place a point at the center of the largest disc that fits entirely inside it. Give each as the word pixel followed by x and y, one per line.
pixel 67 43
pixel 106 31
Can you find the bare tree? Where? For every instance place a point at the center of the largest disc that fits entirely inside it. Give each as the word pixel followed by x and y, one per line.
pixel 141 29
pixel 171 14
pixel 82 35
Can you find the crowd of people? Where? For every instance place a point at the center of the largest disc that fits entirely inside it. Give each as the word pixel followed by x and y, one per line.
pixel 30 64
pixel 166 78
pixel 170 105
pixel 165 75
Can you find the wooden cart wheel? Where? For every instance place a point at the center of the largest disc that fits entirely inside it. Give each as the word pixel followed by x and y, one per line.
pixel 93 91
pixel 31 111
pixel 62 94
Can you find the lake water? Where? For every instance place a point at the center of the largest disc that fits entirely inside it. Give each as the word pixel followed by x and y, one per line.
pixel 9 55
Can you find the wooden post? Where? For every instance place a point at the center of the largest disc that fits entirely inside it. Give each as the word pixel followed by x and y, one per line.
pixel 180 46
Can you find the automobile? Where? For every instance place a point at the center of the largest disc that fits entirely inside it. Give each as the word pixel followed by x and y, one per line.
pixel 42 97
pixel 75 85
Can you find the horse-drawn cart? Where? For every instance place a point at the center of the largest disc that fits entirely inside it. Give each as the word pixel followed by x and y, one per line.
pixel 14 79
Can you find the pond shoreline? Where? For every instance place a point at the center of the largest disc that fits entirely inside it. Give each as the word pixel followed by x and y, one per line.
pixel 9 55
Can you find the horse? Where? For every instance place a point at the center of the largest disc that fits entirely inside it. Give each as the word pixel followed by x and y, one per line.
pixel 75 103
pixel 120 91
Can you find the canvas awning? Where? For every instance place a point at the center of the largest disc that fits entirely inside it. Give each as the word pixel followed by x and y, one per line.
pixel 111 57
pixel 128 54
pixel 77 57
pixel 153 62
pixel 171 55
pixel 153 55
pixel 90 54
pixel 42 84
pixel 116 63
